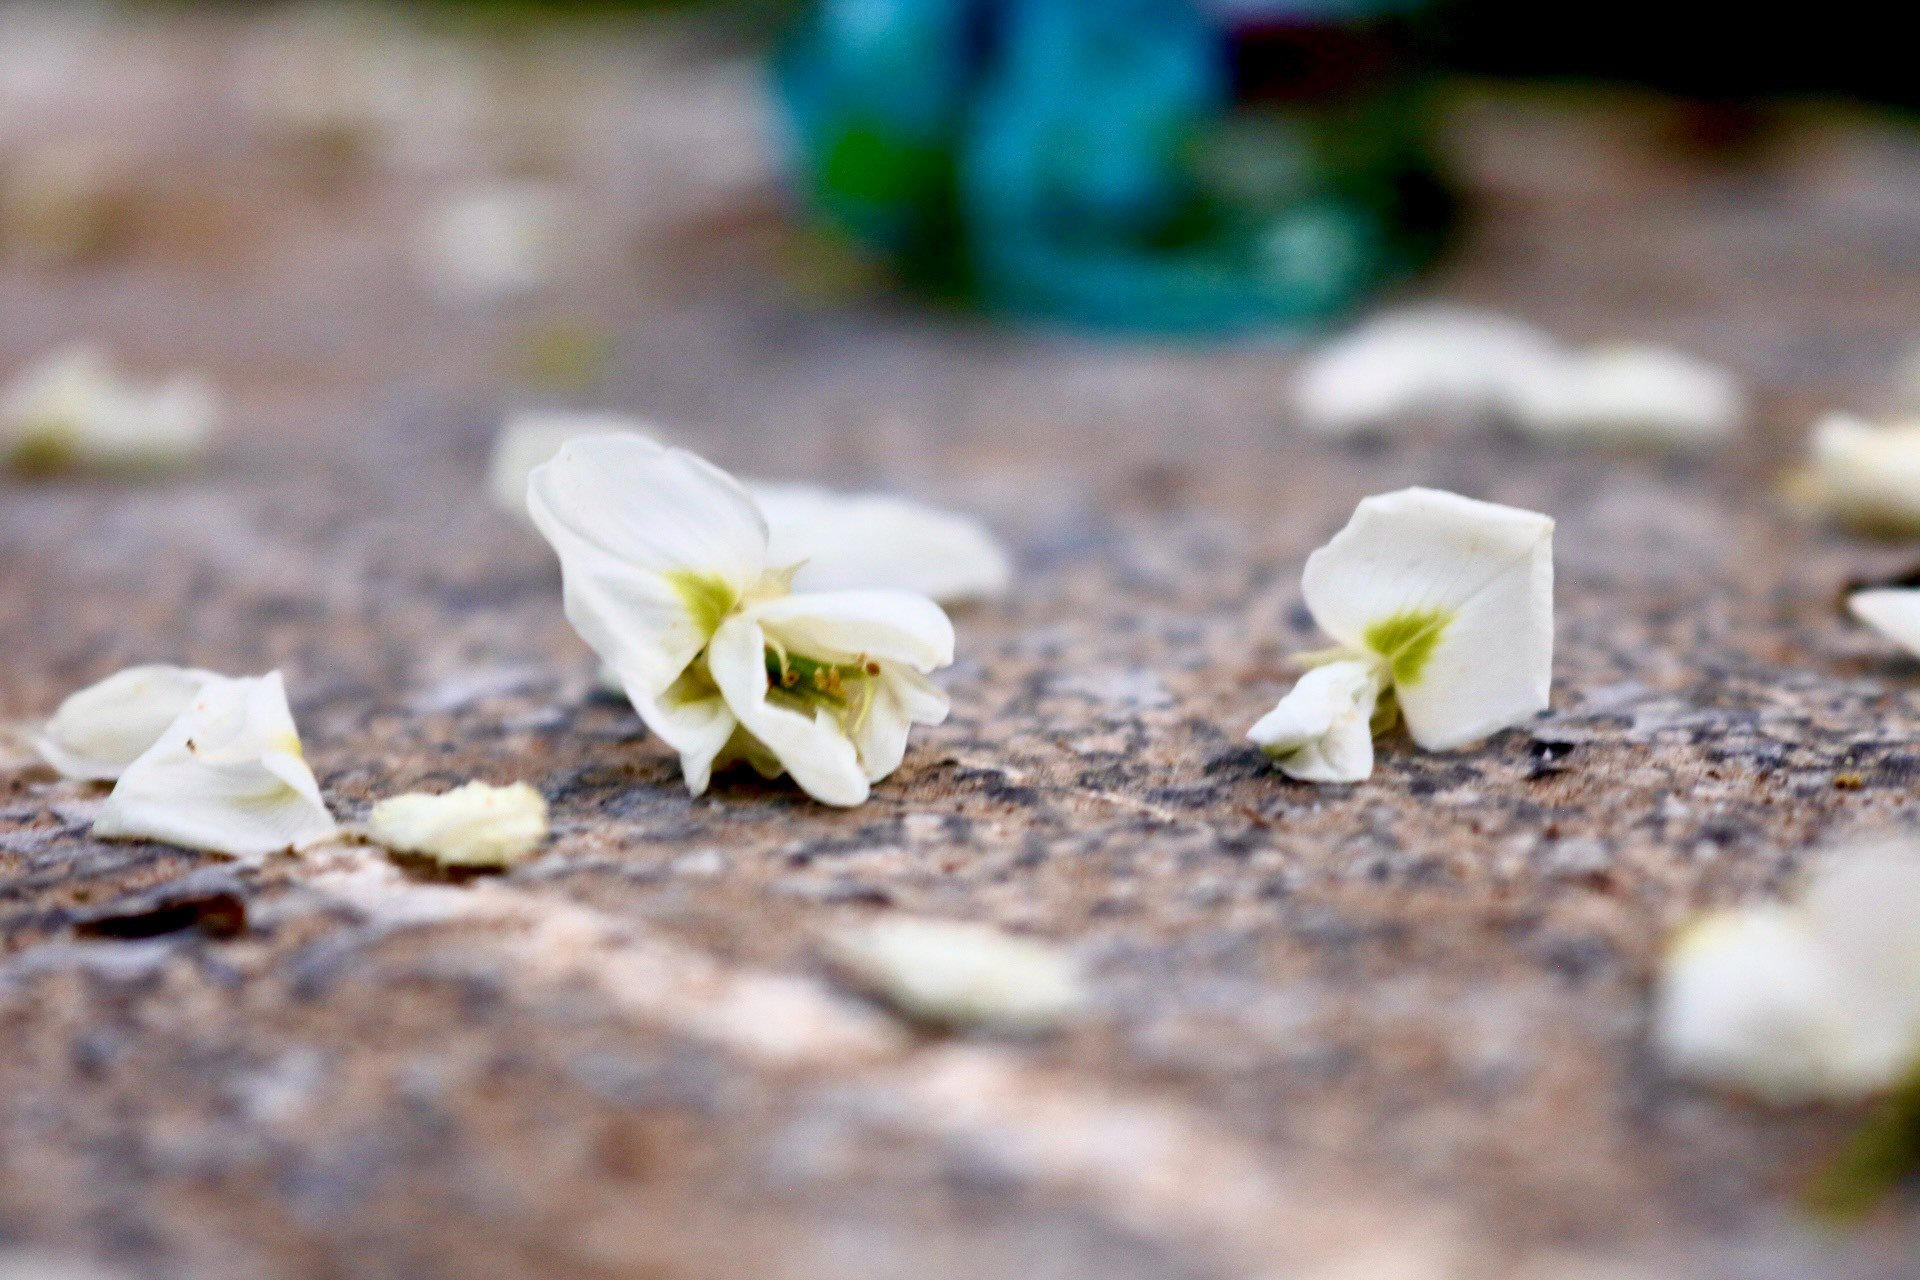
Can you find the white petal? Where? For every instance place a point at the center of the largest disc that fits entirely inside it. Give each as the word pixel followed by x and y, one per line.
pixel 1864 473
pixel 964 975
pixel 892 626
pixel 1753 1000
pixel 693 719
pixel 1864 904
pixel 655 545
pixel 902 698
pixel 530 439
pixel 1893 611
pixel 105 727
pixel 226 776
pixel 853 541
pixel 1628 393
pixel 472 826
pixel 1457 595
pixel 75 410
pixel 1435 360
pixel 812 746
pixel 1322 731
pixel 498 241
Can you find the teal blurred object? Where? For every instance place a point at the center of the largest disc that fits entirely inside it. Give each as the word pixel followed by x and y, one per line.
pixel 1175 166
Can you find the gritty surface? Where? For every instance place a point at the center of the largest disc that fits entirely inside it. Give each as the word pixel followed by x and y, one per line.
pixel 1389 1030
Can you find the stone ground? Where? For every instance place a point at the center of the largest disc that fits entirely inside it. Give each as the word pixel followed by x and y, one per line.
pixel 1392 1030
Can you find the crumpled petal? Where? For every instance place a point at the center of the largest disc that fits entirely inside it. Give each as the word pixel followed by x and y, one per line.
pixel 477 825
pixel 1446 360
pixel 1892 611
pixel 226 776
pixel 1322 731
pixel 530 439
pixel 810 744
pixel 849 541
pixel 656 546
pixel 105 727
pixel 960 974
pixel 1456 596
pixel 1630 393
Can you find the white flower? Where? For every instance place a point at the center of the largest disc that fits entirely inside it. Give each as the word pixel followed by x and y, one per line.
pixel 1444 360
pixel 1630 394
pixel 846 541
pixel 1811 1001
pixel 227 775
pixel 472 826
pixel 74 410
pixel 959 974
pixel 840 541
pixel 105 727
pixel 668 578
pixel 1444 604
pixel 1892 611
pixel 1863 474
pixel 500 241
pixel 1473 364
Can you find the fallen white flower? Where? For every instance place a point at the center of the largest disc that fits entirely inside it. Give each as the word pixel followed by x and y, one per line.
pixel 1627 394
pixel 1892 611
pixel 105 727
pixel 227 776
pixel 474 826
pixel 1442 605
pixel 1810 1001
pixel 667 576
pixel 1863 474
pixel 497 242
pixel 74 410
pixel 1441 360
pixel 840 541
pixel 961 975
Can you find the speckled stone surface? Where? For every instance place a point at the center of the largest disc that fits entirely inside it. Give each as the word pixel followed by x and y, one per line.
pixel 1382 1031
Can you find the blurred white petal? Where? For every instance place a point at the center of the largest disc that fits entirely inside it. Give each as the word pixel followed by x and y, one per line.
pixel 1456 596
pixel 1322 731
pixel 474 826
pixel 226 776
pixel 495 242
pixel 1629 394
pixel 961 975
pixel 844 541
pixel 1892 611
pixel 105 727
pixel 1442 360
pixel 74 410
pixel 1864 474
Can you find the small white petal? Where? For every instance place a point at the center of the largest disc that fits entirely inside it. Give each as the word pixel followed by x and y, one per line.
pixel 902 698
pixel 105 727
pixel 476 826
pixel 499 241
pixel 1892 611
pixel 810 744
pixel 1864 474
pixel 1322 731
pixel 961 975
pixel 656 546
pixel 226 776
pixel 1435 360
pixel 1456 595
pixel 1754 1000
pixel 856 541
pixel 74 410
pixel 1628 393
pixel 892 626
pixel 530 439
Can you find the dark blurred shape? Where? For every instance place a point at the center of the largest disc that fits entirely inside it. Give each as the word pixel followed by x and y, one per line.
pixel 1167 165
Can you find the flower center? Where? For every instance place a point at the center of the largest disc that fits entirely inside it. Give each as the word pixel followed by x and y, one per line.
pixel 803 683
